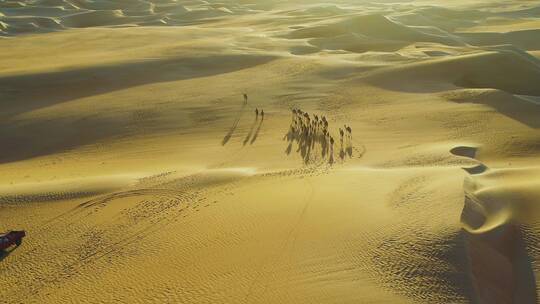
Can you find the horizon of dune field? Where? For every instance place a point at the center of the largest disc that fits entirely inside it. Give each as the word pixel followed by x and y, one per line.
pixel 270 151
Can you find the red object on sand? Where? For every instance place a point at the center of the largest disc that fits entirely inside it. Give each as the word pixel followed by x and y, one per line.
pixel 11 238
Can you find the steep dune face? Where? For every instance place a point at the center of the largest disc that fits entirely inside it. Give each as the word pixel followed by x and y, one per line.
pixel 143 174
pixel 499 207
pixel 363 33
pixel 376 26
pixel 477 70
pixel 444 18
pixel 521 39
pixel 516 107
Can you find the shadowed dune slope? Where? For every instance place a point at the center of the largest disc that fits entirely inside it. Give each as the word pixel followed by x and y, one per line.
pixel 370 26
pixel 19 17
pixel 477 70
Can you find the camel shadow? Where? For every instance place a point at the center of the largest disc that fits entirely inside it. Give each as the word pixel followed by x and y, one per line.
pixel 227 138
pixel 28 92
pixel 234 125
pixel 289 149
pixel 313 140
pixel 257 132
pixel 331 160
pixel 27 138
pixel 246 140
pixel 349 151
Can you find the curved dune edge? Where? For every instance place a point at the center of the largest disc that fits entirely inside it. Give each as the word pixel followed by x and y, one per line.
pixel 476 70
pixel 500 267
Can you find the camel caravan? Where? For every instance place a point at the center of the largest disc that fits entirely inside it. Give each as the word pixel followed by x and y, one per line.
pixel 314 140
pixel 310 133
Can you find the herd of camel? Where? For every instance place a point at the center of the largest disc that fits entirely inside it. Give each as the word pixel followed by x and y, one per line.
pixel 310 132
pixel 312 135
pixel 307 124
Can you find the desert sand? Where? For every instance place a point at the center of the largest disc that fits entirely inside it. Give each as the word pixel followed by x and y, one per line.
pixel 141 175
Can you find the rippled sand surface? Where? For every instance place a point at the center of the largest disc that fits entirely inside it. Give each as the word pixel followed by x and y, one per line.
pixel 142 174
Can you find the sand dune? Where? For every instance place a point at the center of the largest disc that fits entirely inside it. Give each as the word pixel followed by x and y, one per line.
pixel 476 70
pixel 141 174
pixel 519 39
pixel 365 33
pixel 517 107
pixel 21 17
pixel 499 204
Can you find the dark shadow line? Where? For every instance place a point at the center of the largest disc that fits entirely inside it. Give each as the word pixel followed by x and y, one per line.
pixel 25 139
pixel 97 80
pixel 515 108
pixel 234 126
pixel 289 149
pixel 250 131
pixel 257 132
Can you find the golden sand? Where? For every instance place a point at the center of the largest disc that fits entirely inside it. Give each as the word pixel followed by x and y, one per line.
pixel 141 175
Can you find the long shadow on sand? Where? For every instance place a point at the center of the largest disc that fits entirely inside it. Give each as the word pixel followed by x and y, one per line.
pixel 229 134
pixel 248 136
pixel 22 139
pixel 23 93
pixel 257 131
